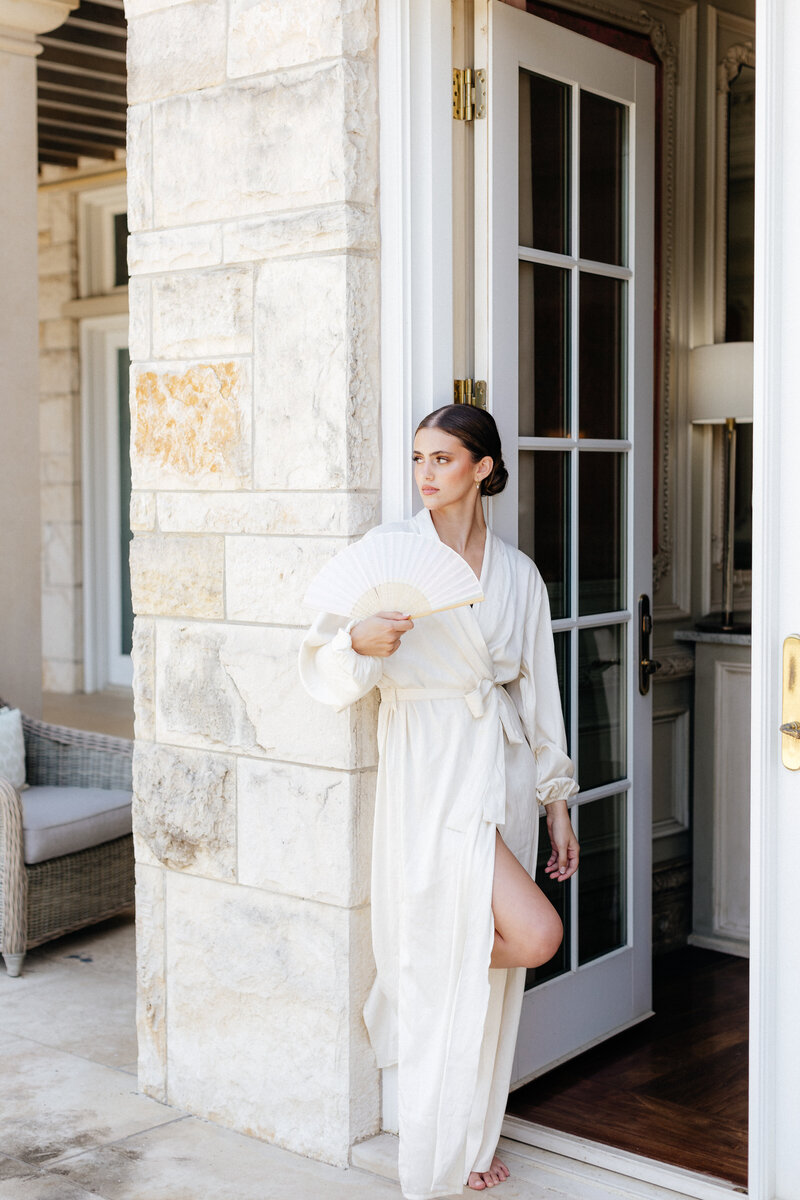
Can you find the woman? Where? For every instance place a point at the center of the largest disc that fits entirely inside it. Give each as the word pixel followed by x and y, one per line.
pixel 470 731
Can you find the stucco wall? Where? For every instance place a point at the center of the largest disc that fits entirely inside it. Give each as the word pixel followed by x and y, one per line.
pixel 252 170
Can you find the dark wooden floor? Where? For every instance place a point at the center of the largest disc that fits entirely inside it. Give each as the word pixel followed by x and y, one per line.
pixel 673 1088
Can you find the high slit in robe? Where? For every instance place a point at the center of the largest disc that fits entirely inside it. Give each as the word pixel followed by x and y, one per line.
pixel 470 736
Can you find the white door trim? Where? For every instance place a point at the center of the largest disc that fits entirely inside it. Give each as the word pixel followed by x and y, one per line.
pixel 775 792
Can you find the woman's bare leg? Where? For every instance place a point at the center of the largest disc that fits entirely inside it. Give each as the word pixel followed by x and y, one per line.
pixel 527 933
pixel 527 929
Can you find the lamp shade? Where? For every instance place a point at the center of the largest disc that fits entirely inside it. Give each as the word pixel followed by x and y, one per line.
pixel 721 382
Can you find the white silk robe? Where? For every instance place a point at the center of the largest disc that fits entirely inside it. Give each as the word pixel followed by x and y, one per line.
pixel 470 736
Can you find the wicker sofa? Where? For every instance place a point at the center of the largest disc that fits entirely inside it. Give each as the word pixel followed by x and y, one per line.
pixel 51 896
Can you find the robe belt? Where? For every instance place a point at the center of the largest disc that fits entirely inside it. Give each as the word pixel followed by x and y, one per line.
pixel 489 694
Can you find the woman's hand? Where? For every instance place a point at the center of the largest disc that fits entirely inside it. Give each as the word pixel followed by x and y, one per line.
pixel 563 861
pixel 380 635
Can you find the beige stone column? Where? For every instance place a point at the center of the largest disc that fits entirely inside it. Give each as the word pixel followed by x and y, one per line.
pixel 252 169
pixel 20 571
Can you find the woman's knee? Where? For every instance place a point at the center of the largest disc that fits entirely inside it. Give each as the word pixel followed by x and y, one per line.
pixel 543 939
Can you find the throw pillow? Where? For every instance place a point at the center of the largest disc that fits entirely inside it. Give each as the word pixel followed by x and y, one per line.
pixel 12 747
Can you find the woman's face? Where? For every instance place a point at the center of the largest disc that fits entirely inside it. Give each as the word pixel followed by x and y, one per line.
pixel 444 470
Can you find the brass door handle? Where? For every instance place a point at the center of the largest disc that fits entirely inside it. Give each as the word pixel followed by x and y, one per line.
pixel 790 729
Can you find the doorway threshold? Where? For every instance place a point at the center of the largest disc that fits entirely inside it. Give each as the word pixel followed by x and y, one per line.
pixel 666 1181
pixel 547 1165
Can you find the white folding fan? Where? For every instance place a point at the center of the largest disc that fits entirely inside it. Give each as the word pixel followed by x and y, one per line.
pixel 394 572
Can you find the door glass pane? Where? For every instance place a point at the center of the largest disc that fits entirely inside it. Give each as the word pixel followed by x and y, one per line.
pixel 603 159
pixel 602 742
pixel 601 877
pixel 544 156
pixel 544 520
pixel 125 535
pixel 601 532
pixel 561 642
pixel 601 356
pixel 544 350
pixel 559 896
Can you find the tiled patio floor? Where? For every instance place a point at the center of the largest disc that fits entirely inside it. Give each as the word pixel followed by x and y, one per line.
pixel 74 1127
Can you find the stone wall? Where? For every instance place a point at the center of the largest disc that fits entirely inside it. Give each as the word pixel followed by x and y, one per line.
pixel 59 431
pixel 252 169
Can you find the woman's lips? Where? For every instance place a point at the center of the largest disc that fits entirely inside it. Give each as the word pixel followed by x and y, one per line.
pixel 429 491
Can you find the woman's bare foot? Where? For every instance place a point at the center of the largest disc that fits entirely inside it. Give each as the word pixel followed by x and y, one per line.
pixel 497 1173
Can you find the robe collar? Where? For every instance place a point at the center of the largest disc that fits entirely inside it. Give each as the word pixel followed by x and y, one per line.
pixel 424 522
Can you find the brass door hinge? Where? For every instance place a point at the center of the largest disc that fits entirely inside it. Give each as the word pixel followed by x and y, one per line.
pixel 470 391
pixel 469 94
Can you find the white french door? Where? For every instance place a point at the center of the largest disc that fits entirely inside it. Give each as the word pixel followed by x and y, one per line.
pixel 564 242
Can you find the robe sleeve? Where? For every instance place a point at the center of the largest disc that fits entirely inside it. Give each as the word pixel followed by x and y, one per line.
pixel 540 698
pixel 330 669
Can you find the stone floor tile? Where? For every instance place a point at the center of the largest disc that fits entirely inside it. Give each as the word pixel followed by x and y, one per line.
pixel 53 1104
pixel 13 1168
pixel 109 946
pixel 44 1187
pixel 196 1160
pixel 62 1015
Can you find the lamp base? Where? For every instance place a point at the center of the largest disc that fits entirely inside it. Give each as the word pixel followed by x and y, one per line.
pixel 718 622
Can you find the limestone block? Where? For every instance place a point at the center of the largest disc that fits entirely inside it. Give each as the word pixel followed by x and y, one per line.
pixel 140 318
pixel 191 425
pixel 237 687
pixel 55 467
pixel 270 987
pixel 184 808
pixel 282 141
pixel 60 335
pixel 208 312
pixel 296 513
pixel 144 678
pixel 60 623
pixel 57 260
pixel 305 831
pixel 60 502
pixel 324 229
pixel 61 559
pixel 137 8
pixel 53 294
pixel 267 35
pixel 143 511
pixel 57 216
pixel 58 372
pixel 151 981
pixel 175 249
pixel 267 577
pixel 62 676
pixel 317 343
pixel 138 157
pixel 176 49
pixel 176 575
pixel 55 426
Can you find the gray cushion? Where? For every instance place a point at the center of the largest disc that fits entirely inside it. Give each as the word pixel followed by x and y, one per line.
pixel 61 820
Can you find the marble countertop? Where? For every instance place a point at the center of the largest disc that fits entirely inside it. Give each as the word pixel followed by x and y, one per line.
pixel 719 638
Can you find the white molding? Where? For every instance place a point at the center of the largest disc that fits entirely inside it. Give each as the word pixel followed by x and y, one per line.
pixel 35 16
pixel 416 232
pixel 731 798
pixel 96 211
pixel 678 820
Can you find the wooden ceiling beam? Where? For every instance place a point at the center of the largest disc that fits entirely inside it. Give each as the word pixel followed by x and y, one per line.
pixel 58 115
pixel 98 14
pixel 94 64
pixel 77 149
pixel 82 102
pixel 55 133
pixel 92 39
pixel 82 81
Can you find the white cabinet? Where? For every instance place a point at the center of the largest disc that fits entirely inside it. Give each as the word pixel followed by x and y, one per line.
pixel 721 813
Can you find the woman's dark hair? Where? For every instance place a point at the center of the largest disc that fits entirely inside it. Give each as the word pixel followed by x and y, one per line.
pixel 476 430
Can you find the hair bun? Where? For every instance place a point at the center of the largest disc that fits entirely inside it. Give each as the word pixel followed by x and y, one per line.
pixel 496 481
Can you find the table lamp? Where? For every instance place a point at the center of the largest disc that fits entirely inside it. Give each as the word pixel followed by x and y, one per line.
pixel 721 393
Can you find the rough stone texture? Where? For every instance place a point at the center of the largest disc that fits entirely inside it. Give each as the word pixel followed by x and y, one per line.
pixel 176 575
pixel 290 513
pixel 324 229
pixel 191 425
pixel 287 141
pixel 176 49
pixel 269 989
pixel 266 578
pixel 236 687
pixel 184 808
pixel 143 511
pixel 144 679
pixel 138 160
pixel 141 318
pixel 175 249
pixel 317 365
pixel 137 8
pixel 305 831
pixel 151 991
pixel 202 313
pixel 267 35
